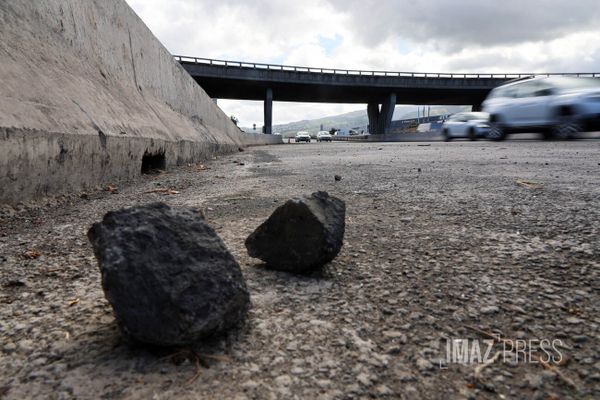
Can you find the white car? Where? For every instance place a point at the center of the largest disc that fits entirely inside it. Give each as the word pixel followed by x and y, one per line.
pixel 472 125
pixel 302 137
pixel 323 136
pixel 558 107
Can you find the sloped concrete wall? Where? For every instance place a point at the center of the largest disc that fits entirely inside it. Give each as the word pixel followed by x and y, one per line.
pixel 86 90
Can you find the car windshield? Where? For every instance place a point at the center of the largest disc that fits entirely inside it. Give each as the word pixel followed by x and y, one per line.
pixel 570 83
pixel 476 115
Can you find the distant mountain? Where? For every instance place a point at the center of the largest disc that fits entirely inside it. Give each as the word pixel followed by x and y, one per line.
pixel 358 119
pixel 343 121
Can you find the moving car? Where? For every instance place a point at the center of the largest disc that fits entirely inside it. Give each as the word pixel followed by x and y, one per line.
pixel 559 107
pixel 302 137
pixel 323 136
pixel 472 125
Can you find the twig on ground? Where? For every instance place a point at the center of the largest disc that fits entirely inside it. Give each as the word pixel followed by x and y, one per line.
pixel 198 370
pixel 165 191
pixel 530 184
pixel 481 367
pixel 198 360
pixel 74 301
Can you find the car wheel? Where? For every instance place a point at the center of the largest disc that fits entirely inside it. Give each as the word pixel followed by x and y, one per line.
pixel 472 134
pixel 446 135
pixel 496 132
pixel 567 128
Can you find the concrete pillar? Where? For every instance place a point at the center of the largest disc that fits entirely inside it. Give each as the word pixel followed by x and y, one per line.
pixel 373 114
pixel 380 121
pixel 387 112
pixel 269 112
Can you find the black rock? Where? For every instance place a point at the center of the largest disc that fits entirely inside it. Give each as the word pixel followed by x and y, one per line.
pixel 337 177
pixel 168 276
pixel 301 235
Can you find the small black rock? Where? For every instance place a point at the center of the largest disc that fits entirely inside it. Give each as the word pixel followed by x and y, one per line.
pixel 337 178
pixel 301 235
pixel 168 276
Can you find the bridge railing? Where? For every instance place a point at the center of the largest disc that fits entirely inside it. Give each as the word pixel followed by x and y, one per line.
pixel 337 71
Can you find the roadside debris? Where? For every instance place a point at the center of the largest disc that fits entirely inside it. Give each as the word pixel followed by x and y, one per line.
pixel 112 189
pixel 337 178
pixel 530 184
pixel 164 191
pixel 301 235
pixel 74 301
pixel 167 274
pixel 31 254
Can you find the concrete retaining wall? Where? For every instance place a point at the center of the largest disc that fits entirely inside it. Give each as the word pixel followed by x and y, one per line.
pixel 86 91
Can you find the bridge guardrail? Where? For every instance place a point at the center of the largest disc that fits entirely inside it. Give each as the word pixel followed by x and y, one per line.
pixel 337 71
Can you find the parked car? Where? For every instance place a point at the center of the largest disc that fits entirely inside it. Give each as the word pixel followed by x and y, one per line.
pixel 558 107
pixel 277 134
pixel 323 136
pixel 472 125
pixel 302 137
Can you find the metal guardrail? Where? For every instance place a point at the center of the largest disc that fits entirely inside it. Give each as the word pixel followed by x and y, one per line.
pixel 336 71
pixel 349 138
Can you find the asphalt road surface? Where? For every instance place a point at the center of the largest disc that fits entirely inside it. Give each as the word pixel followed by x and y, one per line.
pixel 446 245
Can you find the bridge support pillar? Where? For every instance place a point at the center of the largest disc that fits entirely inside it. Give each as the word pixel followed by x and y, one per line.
pixel 268 112
pixel 373 114
pixel 387 112
pixel 380 121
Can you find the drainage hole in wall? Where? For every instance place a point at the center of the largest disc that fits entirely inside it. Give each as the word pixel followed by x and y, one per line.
pixel 153 163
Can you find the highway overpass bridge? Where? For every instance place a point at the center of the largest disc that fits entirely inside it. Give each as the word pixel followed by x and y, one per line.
pixel 380 90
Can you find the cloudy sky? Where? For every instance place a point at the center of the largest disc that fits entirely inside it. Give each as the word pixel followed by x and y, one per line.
pixel 393 35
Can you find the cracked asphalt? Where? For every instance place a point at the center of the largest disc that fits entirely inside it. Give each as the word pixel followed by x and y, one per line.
pixel 445 243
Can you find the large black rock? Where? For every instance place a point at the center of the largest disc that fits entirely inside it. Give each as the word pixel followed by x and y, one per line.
pixel 301 235
pixel 168 276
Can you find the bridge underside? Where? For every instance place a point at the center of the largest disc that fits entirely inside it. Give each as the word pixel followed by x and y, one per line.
pixel 235 89
pixel 380 93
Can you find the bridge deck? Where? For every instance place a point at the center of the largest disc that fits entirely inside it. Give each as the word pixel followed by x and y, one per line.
pixel 249 81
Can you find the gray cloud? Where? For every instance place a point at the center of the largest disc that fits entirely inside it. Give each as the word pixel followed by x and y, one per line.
pixel 455 24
